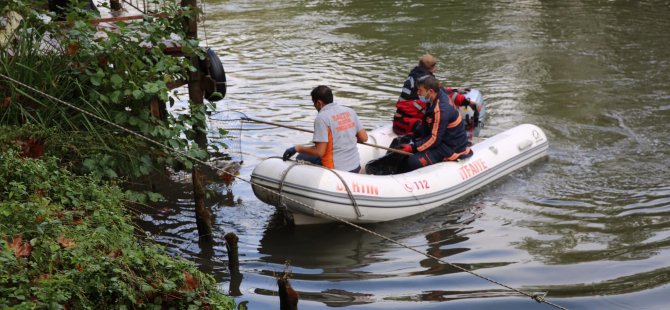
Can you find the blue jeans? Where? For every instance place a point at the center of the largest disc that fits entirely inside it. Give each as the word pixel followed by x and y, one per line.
pixel 309 158
pixel 317 161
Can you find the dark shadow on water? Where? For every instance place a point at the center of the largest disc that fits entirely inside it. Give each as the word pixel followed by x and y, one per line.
pixel 338 252
pixel 338 245
pixel 330 247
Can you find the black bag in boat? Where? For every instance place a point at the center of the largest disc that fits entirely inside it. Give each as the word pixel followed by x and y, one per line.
pixel 391 163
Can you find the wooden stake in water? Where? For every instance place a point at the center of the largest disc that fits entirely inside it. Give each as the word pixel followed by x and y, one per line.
pixel 231 245
pixel 233 264
pixel 288 297
pixel 203 217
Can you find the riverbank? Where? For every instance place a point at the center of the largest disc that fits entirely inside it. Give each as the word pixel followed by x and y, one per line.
pixel 76 94
pixel 67 241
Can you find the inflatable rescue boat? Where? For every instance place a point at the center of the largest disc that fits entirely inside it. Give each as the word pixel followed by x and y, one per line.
pixel 309 194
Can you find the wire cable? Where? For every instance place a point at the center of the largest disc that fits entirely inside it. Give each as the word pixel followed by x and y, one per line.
pixel 540 298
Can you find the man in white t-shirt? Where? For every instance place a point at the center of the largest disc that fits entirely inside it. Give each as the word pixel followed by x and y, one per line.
pixel 337 129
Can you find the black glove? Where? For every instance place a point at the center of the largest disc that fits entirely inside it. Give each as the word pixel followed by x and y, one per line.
pixel 288 153
pixel 417 125
pixel 466 103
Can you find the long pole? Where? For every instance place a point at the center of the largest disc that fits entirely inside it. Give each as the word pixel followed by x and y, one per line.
pixel 203 216
pixel 310 131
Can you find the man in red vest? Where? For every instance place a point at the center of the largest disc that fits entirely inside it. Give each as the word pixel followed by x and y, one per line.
pixel 409 109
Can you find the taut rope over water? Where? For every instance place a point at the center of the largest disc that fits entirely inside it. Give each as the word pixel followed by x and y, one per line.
pixel 537 297
pixel 249 119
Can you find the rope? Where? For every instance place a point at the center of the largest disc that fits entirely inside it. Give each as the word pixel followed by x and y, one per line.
pixel 204 20
pixel 281 185
pixel 351 195
pixel 536 297
pixel 296 163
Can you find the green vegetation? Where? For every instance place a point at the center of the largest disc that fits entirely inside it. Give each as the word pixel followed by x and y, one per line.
pixel 65 238
pixel 115 73
pixel 65 241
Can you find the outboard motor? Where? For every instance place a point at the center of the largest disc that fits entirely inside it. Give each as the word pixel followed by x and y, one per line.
pixel 474 118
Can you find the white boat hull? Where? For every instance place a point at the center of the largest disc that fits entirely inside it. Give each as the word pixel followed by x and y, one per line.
pixel 314 194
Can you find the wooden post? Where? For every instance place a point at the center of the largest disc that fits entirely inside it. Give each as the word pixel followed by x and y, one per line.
pixel 203 217
pixel 235 282
pixel 231 246
pixel 115 5
pixel 288 297
pixel 233 264
pixel 158 109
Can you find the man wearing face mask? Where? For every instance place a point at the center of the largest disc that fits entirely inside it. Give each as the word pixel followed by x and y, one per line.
pixel 337 130
pixel 442 133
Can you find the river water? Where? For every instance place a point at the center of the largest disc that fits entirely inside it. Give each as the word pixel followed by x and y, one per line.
pixel 590 224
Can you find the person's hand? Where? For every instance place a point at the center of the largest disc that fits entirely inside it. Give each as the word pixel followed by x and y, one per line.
pixel 288 153
pixel 467 103
pixel 407 148
pixel 417 126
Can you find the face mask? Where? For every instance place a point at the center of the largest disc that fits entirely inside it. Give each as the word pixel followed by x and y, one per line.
pixel 425 97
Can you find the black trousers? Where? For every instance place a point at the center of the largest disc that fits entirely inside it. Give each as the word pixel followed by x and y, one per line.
pixel 431 156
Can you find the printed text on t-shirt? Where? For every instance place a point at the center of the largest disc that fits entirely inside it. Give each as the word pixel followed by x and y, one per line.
pixel 343 121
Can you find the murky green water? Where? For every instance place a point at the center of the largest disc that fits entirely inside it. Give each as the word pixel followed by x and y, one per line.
pixel 590 225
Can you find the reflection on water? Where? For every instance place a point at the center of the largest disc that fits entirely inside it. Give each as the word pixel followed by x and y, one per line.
pixel 589 225
pixel 338 253
pixel 339 247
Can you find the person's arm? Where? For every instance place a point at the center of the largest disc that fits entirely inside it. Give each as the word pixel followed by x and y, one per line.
pixel 461 100
pixel 320 140
pixel 436 131
pixel 408 91
pixel 362 136
pixel 318 149
pixel 456 96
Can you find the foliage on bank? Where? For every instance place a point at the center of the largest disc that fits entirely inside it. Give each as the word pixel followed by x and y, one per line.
pixel 65 241
pixel 114 72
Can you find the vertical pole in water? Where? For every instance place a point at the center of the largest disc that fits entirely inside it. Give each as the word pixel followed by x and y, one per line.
pixel 288 297
pixel 203 217
pixel 231 246
pixel 233 264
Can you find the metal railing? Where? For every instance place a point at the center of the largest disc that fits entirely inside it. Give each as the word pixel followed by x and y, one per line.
pixel 148 6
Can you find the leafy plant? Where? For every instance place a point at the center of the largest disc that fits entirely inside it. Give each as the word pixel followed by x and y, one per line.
pixel 65 241
pixel 113 73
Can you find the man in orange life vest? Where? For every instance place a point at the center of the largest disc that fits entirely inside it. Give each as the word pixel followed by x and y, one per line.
pixel 337 130
pixel 442 135
pixel 410 109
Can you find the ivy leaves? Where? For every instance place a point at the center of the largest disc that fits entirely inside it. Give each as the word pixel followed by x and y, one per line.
pixel 116 72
